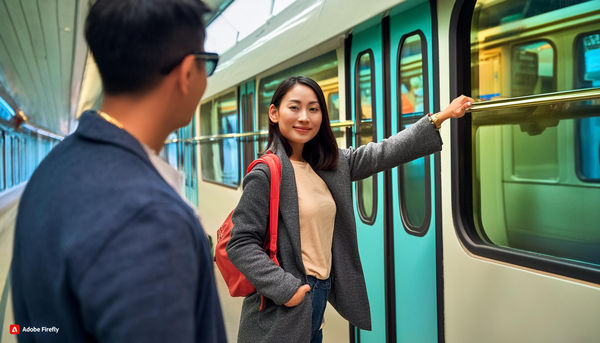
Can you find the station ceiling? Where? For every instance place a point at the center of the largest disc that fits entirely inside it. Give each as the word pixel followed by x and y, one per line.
pixel 42 58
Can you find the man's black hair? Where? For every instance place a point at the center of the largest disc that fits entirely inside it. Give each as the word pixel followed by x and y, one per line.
pixel 133 40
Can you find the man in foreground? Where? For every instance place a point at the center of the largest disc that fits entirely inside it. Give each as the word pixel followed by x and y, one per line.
pixel 106 249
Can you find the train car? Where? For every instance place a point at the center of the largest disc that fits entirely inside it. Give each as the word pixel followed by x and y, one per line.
pixel 496 238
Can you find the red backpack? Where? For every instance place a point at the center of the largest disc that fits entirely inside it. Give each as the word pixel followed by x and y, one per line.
pixel 237 283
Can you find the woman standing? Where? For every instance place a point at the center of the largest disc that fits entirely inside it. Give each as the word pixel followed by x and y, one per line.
pixel 317 244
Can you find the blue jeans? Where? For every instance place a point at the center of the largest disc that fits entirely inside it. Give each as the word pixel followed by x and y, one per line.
pixel 319 290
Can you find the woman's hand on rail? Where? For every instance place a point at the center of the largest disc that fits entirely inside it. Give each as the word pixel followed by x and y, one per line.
pixel 456 109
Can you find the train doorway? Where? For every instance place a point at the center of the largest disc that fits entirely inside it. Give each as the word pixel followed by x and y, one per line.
pixel 392 87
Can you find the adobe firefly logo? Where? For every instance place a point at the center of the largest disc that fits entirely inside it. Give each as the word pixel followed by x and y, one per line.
pixel 15 329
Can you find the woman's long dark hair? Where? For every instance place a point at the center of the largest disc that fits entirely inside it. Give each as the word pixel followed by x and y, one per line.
pixel 321 151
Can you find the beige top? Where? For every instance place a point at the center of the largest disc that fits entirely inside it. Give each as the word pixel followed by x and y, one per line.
pixel 316 209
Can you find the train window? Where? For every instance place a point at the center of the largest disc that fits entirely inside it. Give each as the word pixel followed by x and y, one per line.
pixel 24 161
pixel 220 157
pixel 6 112
pixel 365 132
pixel 194 166
pixel 8 160
pixel 587 141
pixel 526 196
pixel 333 105
pixel 247 91
pixel 16 151
pixel 414 176
pixel 186 160
pixel 322 69
pixel 532 68
pixel 2 164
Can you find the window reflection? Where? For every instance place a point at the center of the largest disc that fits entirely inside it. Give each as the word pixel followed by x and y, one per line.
pixel 411 76
pixel 532 68
pixel 364 113
pixel 588 129
pixel 220 158
pixel 536 169
pixel 413 176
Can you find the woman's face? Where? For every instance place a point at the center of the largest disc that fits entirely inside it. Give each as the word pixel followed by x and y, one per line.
pixel 299 116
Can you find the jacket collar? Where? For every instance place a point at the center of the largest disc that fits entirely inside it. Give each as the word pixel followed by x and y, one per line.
pixel 93 127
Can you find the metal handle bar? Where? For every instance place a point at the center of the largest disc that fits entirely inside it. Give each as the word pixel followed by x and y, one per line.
pixel 536 100
pixel 212 138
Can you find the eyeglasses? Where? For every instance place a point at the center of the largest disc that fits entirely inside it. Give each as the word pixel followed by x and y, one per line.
pixel 210 59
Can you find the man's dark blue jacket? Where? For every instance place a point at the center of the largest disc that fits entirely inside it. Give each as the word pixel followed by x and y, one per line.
pixel 106 251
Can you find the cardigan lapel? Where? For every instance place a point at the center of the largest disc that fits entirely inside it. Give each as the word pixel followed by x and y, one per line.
pixel 288 201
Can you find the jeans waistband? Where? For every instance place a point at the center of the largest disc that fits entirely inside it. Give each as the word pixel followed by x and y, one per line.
pixel 318 283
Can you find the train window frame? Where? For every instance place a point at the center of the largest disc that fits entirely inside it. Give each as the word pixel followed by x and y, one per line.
pixel 461 168
pixel 369 220
pixel 211 101
pixel 423 228
pixel 577 59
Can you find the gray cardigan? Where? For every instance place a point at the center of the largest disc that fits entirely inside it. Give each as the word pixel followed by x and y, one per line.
pixel 278 284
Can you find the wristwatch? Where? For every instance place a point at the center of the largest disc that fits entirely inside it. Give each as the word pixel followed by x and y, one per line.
pixel 433 118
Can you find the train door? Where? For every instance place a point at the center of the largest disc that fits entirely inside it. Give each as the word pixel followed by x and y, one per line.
pixel 395 210
pixel 367 113
pixel 246 106
pixel 412 185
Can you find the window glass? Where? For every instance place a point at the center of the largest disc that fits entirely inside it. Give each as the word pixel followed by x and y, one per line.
pixel 588 129
pixel 365 108
pixel 588 146
pixel 23 161
pixel 502 30
pixel 534 155
pixel 411 76
pixel 2 166
pixel 532 68
pixel 323 69
pixel 6 112
pixel 534 167
pixel 8 160
pixel 16 149
pixel 413 176
pixel 220 157
pixel 247 91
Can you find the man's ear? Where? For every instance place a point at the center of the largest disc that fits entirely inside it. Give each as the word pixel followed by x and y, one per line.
pixel 184 73
pixel 273 114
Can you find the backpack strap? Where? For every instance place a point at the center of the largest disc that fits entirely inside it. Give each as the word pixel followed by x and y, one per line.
pixel 274 164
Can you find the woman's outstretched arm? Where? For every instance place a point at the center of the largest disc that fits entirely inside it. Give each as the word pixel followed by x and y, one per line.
pixel 418 140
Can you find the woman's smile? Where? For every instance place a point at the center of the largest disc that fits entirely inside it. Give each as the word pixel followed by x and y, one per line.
pixel 302 129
